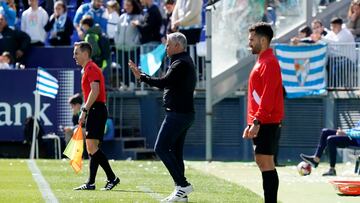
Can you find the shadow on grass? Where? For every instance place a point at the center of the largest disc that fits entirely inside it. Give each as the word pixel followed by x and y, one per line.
pixel 138 191
pixel 345 195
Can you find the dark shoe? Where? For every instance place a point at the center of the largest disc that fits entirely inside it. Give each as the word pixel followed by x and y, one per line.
pixel 85 186
pixel 331 172
pixel 111 184
pixel 309 159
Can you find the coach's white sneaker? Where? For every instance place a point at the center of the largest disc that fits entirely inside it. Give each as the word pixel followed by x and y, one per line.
pixel 172 194
pixel 183 199
pixel 181 194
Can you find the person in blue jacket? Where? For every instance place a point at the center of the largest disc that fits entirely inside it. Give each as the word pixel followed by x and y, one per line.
pixel 8 12
pixel 332 139
pixel 96 10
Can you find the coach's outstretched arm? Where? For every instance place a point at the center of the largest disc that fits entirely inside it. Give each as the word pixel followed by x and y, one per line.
pixel 171 77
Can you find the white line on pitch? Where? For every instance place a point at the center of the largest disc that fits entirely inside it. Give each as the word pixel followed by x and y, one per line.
pixel 44 187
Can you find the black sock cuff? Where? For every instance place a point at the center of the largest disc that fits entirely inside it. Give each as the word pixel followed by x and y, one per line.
pixel 267 174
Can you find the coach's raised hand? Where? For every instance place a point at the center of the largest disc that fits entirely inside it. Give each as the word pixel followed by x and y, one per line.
pixel 136 71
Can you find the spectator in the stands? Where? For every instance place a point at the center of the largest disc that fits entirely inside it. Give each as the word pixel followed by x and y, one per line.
pixel 127 36
pixel 304 32
pixel 33 22
pixel 113 18
pixel 127 39
pixel 340 54
pixel 338 35
pixel 318 28
pixel 303 36
pixel 354 19
pixel 6 61
pixel 8 9
pixel 186 18
pixel 98 40
pixel 15 42
pixel 75 102
pixel 169 6
pixel 94 9
pixel 150 26
pixel 60 26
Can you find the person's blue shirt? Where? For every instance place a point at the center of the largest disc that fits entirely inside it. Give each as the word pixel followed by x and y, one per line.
pixel 109 130
pixel 9 14
pixel 354 133
pixel 96 14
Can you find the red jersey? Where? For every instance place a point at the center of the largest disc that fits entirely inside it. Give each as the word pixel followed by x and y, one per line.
pixel 265 93
pixel 92 73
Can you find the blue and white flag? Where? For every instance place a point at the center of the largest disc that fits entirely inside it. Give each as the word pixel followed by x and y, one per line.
pixel 46 84
pixel 302 69
pixel 151 62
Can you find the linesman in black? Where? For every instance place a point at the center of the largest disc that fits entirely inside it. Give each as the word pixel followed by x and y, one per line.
pixel 178 84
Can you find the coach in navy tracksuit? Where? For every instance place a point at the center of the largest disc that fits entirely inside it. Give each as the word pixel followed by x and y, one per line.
pixel 178 84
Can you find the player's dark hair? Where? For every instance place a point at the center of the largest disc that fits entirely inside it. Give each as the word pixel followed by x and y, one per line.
pixel 262 29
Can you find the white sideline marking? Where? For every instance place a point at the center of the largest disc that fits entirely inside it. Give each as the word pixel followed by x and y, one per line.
pixel 44 187
pixel 151 193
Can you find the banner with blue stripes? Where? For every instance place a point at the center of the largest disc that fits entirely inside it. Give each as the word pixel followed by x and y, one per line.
pixel 302 69
pixel 151 62
pixel 46 84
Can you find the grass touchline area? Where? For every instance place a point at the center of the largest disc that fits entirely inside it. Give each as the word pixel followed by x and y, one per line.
pixel 149 181
pixel 141 181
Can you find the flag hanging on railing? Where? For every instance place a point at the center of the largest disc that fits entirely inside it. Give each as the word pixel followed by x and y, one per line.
pixel 151 62
pixel 46 84
pixel 302 69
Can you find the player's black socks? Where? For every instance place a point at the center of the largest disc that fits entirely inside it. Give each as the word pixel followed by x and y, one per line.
pixel 270 185
pixel 93 167
pixel 104 163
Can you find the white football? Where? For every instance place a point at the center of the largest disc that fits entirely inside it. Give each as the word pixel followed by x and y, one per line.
pixel 304 168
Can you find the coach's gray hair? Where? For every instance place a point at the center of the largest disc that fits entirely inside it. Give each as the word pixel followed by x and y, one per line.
pixel 178 37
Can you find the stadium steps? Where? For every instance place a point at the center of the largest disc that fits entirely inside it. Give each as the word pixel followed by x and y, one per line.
pixel 140 154
pixel 132 143
pixel 127 148
pixel 135 148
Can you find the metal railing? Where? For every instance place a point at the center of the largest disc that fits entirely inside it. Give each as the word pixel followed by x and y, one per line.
pixel 343 66
pixel 123 79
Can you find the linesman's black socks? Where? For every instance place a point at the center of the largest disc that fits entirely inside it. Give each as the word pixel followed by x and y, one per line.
pixel 93 167
pixel 270 185
pixel 104 163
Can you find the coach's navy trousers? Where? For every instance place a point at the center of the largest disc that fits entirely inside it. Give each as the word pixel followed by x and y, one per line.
pixel 170 143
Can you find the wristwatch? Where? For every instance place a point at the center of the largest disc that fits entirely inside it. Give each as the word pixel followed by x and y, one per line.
pixel 83 109
pixel 256 122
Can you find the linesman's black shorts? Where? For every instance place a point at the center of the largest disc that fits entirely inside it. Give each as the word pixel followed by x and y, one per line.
pixel 96 120
pixel 265 142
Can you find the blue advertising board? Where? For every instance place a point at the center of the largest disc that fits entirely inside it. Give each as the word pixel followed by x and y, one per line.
pixel 17 101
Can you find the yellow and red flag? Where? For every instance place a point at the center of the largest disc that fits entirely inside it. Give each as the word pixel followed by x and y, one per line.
pixel 74 149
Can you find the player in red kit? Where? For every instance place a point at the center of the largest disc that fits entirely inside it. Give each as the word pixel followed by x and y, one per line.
pixel 265 106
